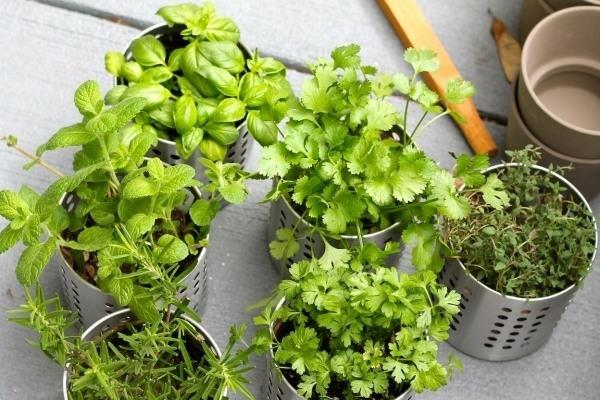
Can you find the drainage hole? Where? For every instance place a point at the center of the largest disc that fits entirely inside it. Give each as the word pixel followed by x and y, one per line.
pixel 489 345
pixel 493 339
pixel 506 309
pixel 495 331
pixel 502 317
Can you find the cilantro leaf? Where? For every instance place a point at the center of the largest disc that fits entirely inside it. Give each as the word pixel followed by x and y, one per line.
pixel 493 192
pixel 346 56
pixel 274 161
pixel 422 60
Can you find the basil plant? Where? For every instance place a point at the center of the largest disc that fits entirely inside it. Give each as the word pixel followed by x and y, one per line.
pixel 199 83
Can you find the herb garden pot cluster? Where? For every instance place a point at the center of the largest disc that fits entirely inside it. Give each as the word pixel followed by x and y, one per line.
pixel 495 326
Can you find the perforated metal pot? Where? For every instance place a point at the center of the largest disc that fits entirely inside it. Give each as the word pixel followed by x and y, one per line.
pixel 497 327
pixel 120 317
pixel 91 303
pixel 282 215
pixel 279 388
pixel 165 149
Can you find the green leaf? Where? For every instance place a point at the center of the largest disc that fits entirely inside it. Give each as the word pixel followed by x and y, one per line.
pixel 346 56
pixel 381 115
pixel 155 168
pixel 139 224
pixel 179 14
pixel 253 89
pixel 12 206
pixel 121 289
pixel 234 192
pixel 212 150
pixel 224 133
pixel 139 187
pixel 148 51
pixel 222 80
pixel 379 190
pixel 204 211
pixel 458 90
pixel 274 161
pixel 74 135
pixel 335 220
pixel 285 246
pixel 426 247
pixel 113 62
pixel 114 94
pixel 155 94
pixel 33 260
pixel 105 122
pixel 88 99
pixel 334 257
pixel 170 250
pixel 176 177
pixel 9 237
pixel 264 132
pixel 493 192
pixel 316 97
pixel 226 55
pixel 448 301
pixel 185 114
pixel 190 141
pixel 126 109
pixel 221 29
pixel 132 71
pixel 32 230
pixel 143 305
pixel 156 75
pixel 469 169
pixel 92 239
pixel 229 110
pixel 422 60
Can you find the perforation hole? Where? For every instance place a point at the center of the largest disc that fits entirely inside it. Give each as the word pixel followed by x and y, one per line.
pixel 452 327
pixel 514 333
pixel 452 284
pixel 231 154
pixel 511 340
pixel 456 321
pixel 540 316
pixel 461 305
pixel 506 347
pixel 499 324
pixel 489 345
pixel 521 319
pixel 495 331
pixel 527 338
pixel 545 309
pixel 493 339
pixel 532 331
pixel 156 151
pixel 518 326
pixel 175 157
pixel 243 153
pixel 525 311
pixel 502 317
pixel 506 309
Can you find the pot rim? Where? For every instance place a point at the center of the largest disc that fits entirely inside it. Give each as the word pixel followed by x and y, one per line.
pixel 163 25
pixel 345 237
pixel 589 3
pixel 184 275
pixel 126 311
pixel 549 20
pixel 285 380
pixel 519 119
pixel 575 191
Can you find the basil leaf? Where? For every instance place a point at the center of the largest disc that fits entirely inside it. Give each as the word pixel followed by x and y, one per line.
pixel 206 109
pixel 229 110
pixel 154 93
pixel 191 60
pixel 156 75
pixel 212 150
pixel 164 114
pixel 222 80
pixel 132 71
pixel 179 14
pixel 190 141
pixel 226 55
pixel 185 114
pixel 224 133
pixel 113 62
pixel 265 132
pixel 148 51
pixel 253 90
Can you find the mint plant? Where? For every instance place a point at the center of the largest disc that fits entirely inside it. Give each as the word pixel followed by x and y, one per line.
pixel 129 233
pixel 538 244
pixel 348 159
pixel 350 328
pixel 165 359
pixel 199 84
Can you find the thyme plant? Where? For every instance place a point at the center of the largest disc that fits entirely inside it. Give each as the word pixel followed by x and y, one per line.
pixel 540 243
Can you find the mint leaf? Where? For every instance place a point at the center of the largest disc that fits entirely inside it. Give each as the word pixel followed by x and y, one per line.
pixel 33 260
pixel 74 135
pixel 204 211
pixel 121 289
pixel 92 239
pixel 12 206
pixel 139 224
pixel 8 238
pixel 139 187
pixel 88 99
pixel 170 250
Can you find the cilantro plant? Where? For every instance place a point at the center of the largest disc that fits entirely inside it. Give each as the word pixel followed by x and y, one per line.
pixel 348 161
pixel 165 359
pixel 538 244
pixel 129 232
pixel 354 329
pixel 199 84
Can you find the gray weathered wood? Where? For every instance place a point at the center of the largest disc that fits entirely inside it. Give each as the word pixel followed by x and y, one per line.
pixel 302 30
pixel 47 52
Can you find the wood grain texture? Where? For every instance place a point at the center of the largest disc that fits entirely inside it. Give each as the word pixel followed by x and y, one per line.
pixel 301 30
pixel 47 52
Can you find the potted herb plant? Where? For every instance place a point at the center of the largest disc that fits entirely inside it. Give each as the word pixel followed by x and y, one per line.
pixel 123 357
pixel 348 169
pixel 349 328
pixel 518 265
pixel 206 93
pixel 101 215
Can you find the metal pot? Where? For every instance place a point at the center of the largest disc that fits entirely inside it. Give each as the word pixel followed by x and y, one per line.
pixel 165 149
pixel 91 303
pixel 282 215
pixel 279 388
pixel 109 321
pixel 497 327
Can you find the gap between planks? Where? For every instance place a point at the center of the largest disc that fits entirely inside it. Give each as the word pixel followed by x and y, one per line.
pixel 141 24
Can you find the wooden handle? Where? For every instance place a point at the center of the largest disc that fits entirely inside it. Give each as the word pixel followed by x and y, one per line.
pixel 414 30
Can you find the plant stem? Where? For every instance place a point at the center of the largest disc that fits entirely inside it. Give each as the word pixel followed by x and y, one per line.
pixel 32 157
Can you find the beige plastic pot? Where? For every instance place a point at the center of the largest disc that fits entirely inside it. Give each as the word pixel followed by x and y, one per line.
pixel 585 174
pixel 560 4
pixel 559 83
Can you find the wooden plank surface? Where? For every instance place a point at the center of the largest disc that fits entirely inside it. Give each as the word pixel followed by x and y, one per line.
pixel 301 30
pixel 48 51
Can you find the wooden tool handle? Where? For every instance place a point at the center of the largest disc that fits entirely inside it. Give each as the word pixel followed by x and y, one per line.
pixel 414 30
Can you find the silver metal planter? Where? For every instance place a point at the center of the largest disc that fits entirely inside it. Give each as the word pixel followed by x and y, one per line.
pixel 282 215
pixel 279 388
pixel 497 327
pixel 91 303
pixel 165 149
pixel 106 322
